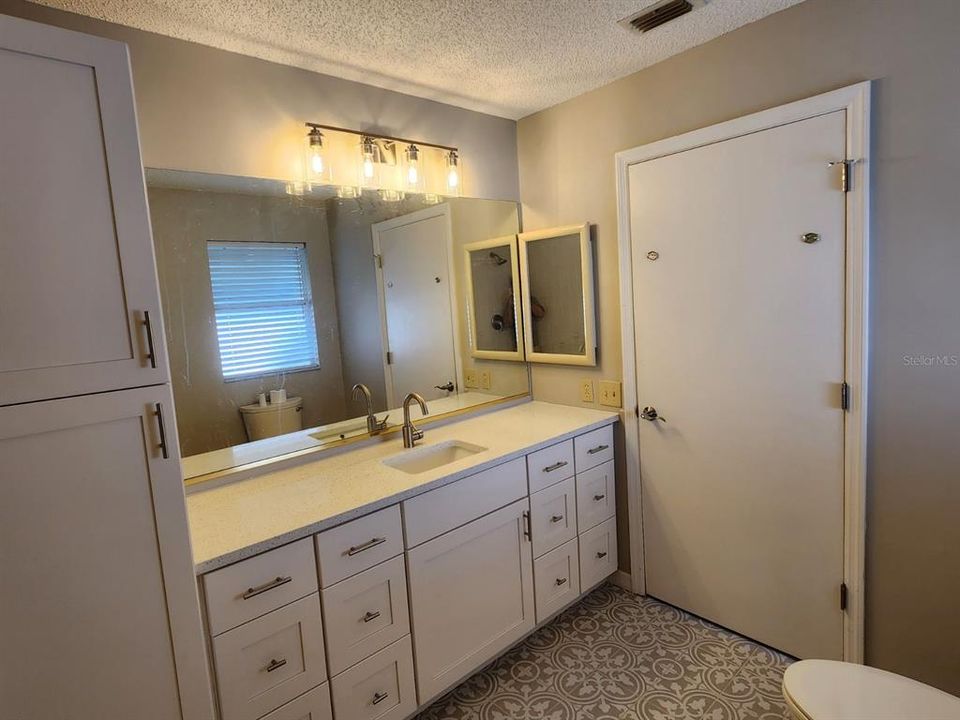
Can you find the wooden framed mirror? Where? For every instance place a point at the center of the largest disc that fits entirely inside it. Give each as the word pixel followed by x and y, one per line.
pixel 492 272
pixel 559 321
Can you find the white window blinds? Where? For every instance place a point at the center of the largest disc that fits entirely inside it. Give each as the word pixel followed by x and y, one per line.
pixel 264 311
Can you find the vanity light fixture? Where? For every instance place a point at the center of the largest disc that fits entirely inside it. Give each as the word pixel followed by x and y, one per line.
pixel 423 167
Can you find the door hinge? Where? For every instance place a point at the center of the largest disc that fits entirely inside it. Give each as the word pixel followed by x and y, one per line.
pixel 843 596
pixel 379 260
pixel 844 396
pixel 389 357
pixel 846 172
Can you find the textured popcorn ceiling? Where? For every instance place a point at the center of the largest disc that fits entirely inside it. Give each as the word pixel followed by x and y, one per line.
pixel 504 57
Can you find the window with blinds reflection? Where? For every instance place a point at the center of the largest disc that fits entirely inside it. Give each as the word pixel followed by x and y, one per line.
pixel 263 306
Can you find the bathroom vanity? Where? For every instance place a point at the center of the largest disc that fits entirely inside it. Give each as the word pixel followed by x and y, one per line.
pixel 368 583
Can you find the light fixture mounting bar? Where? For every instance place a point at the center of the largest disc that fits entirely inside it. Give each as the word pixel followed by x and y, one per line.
pixel 377 136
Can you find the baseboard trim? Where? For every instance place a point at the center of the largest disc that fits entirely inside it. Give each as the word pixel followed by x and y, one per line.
pixel 622 580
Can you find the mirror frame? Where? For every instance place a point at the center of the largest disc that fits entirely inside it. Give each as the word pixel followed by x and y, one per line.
pixel 589 357
pixel 475 352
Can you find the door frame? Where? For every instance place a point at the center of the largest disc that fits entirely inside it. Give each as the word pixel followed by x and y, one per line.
pixel 377 229
pixel 855 100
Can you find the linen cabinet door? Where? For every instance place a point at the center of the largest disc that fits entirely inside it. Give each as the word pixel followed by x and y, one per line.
pixel 100 611
pixel 79 302
pixel 471 596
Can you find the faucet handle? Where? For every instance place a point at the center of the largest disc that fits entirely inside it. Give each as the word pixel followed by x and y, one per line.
pixel 381 424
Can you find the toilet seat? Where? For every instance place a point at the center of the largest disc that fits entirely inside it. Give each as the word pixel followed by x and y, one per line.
pixel 831 690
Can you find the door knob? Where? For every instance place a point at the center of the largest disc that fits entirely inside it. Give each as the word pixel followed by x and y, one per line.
pixel 650 414
pixel 449 387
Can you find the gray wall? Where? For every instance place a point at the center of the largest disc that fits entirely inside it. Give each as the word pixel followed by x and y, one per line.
pixel 911 51
pixel 213 111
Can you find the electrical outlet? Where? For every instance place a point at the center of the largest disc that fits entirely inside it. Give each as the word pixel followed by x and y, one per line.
pixel 470 378
pixel 610 393
pixel 484 376
pixel 586 391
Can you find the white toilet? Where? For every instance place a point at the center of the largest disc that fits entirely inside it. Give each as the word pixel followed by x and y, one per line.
pixel 272 419
pixel 831 690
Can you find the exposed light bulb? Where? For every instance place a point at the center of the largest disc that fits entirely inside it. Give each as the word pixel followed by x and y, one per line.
pixel 453 169
pixel 413 165
pixel 315 153
pixel 316 163
pixel 368 167
pixel 453 178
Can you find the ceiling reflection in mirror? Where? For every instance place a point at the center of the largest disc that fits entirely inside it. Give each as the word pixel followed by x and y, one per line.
pixel 299 319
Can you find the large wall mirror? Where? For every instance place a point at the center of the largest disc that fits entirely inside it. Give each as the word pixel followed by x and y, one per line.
pixel 559 321
pixel 276 304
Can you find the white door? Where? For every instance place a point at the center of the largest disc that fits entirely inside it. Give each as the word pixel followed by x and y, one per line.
pixel 77 275
pixel 99 616
pixel 740 349
pixel 415 283
pixel 471 597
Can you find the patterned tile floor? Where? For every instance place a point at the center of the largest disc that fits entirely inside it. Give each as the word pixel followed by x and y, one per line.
pixel 616 656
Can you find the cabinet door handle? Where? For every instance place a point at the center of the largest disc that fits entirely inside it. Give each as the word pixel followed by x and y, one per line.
pixel 526 525
pixel 158 411
pixel 598 448
pixel 151 354
pixel 556 518
pixel 598 498
pixel 260 589
pixel 556 466
pixel 561 581
pixel 371 543
pixel 371 616
pixel 601 555
pixel 380 697
pixel 275 664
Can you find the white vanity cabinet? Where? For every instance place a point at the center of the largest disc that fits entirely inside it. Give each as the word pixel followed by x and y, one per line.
pixel 415 596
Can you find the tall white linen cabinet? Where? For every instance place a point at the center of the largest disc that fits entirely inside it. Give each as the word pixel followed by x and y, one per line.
pixel 99 616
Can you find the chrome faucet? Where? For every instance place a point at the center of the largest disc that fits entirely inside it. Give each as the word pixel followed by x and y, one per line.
pixel 362 393
pixel 410 432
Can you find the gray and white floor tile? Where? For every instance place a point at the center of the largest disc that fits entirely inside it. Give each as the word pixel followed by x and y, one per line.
pixel 617 656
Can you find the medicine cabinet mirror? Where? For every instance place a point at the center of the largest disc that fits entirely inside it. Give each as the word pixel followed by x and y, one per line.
pixel 493 315
pixel 556 269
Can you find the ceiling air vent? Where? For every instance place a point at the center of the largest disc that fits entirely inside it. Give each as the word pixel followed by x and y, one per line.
pixel 659 14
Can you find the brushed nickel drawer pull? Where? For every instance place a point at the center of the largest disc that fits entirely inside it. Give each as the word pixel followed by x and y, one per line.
pixel 260 589
pixel 556 518
pixel 598 448
pixel 601 555
pixel 275 665
pixel 556 466
pixel 158 411
pixel 151 354
pixel 561 581
pixel 380 697
pixel 371 616
pixel 371 543
pixel 526 525
pixel 598 498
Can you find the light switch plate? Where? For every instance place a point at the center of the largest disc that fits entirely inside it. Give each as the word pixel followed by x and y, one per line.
pixel 610 393
pixel 470 378
pixel 586 391
pixel 484 376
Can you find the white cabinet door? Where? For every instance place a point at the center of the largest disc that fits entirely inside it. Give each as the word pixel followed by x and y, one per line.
pixel 99 616
pixel 471 596
pixel 77 275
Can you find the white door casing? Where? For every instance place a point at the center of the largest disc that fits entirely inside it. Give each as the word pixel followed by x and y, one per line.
pixel 417 300
pixel 852 104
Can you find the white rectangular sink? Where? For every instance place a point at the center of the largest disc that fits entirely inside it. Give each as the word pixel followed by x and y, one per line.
pixel 428 458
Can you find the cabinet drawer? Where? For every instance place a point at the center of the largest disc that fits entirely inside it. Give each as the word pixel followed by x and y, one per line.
pixel 553 516
pixel 595 496
pixel 314 705
pixel 598 553
pixel 270 660
pixel 365 613
pixel 593 448
pixel 359 544
pixel 556 579
pixel 550 465
pixel 438 511
pixel 254 587
pixel 379 688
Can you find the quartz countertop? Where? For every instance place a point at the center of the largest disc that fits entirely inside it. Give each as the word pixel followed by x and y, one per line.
pixel 246 517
